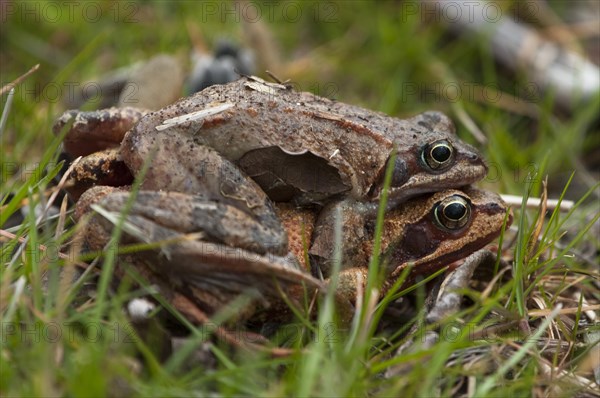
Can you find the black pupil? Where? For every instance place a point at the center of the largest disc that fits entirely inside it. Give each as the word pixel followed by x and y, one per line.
pixel 441 153
pixel 455 211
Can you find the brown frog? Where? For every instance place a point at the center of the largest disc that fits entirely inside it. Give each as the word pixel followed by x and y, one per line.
pixel 297 146
pixel 231 254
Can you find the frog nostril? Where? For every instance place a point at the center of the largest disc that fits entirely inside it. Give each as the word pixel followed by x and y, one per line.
pixel 494 208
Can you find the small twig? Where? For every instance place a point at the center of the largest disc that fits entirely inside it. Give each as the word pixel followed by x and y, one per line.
pixel 564 311
pixel 18 80
pixel 470 124
pixel 43 248
pixel 278 80
pixel 515 200
pixel 57 189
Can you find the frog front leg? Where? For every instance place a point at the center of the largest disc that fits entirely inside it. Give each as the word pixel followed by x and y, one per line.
pixel 179 162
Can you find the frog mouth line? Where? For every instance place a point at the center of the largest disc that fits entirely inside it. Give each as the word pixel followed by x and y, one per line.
pixel 415 188
pixel 426 182
pixel 430 266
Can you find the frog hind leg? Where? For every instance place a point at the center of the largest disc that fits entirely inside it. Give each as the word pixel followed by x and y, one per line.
pixel 212 251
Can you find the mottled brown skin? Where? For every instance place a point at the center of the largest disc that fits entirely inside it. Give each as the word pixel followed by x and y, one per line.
pixel 413 236
pixel 229 257
pixel 352 142
pixel 299 147
pixel 229 254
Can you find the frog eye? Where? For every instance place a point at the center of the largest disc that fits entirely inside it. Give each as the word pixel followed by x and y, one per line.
pixel 453 212
pixel 438 154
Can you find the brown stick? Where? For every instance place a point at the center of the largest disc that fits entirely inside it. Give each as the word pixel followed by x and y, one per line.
pixel 18 80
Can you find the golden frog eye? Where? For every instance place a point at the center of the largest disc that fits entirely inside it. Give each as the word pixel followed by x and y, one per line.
pixel 453 212
pixel 438 154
